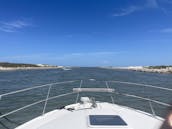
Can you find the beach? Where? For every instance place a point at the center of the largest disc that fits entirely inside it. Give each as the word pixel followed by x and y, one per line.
pixel 25 68
pixel 144 69
pixel 133 68
pixel 149 69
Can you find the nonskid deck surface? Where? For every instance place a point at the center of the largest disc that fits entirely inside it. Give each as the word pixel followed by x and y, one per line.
pixel 79 118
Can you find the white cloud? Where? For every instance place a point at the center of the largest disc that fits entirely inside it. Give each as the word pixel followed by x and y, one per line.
pixel 4 29
pixel 25 57
pixel 69 36
pixel 133 8
pixel 13 26
pixel 76 56
pixel 126 11
pixel 152 4
pixel 105 62
pixel 102 57
pixel 166 30
pixel 97 53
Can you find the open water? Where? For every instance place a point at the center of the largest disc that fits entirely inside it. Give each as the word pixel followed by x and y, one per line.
pixel 15 80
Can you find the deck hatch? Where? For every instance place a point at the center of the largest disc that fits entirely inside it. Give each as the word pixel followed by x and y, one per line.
pixel 106 120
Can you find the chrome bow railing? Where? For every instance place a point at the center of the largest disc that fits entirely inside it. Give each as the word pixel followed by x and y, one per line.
pixel 44 100
pixel 80 89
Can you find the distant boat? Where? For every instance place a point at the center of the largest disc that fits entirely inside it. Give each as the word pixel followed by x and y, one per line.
pixel 66 68
pixel 89 113
pixel 91 79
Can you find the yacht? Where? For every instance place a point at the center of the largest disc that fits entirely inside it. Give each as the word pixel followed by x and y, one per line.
pixel 88 112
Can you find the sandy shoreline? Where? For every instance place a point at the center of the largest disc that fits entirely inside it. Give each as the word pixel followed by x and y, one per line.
pixel 133 68
pixel 147 69
pixel 25 68
pixel 144 69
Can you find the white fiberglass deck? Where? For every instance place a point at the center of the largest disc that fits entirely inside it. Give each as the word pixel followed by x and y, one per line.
pixel 79 118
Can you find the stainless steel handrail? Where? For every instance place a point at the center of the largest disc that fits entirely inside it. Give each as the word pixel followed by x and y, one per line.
pixel 70 93
pixel 35 87
pixel 107 85
pixel 105 90
pixel 45 104
pixel 77 97
pixel 144 98
pixel 32 104
pixel 143 85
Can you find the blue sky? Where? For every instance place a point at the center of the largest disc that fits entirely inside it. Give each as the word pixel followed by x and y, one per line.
pixel 86 32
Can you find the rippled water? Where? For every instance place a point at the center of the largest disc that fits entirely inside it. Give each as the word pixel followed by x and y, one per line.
pixel 15 80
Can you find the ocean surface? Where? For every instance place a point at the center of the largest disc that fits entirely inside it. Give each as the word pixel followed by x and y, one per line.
pixel 16 80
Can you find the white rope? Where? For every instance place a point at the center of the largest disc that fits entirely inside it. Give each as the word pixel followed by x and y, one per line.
pixel 145 85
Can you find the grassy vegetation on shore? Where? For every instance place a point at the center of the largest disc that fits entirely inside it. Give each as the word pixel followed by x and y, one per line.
pixel 159 67
pixel 14 65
